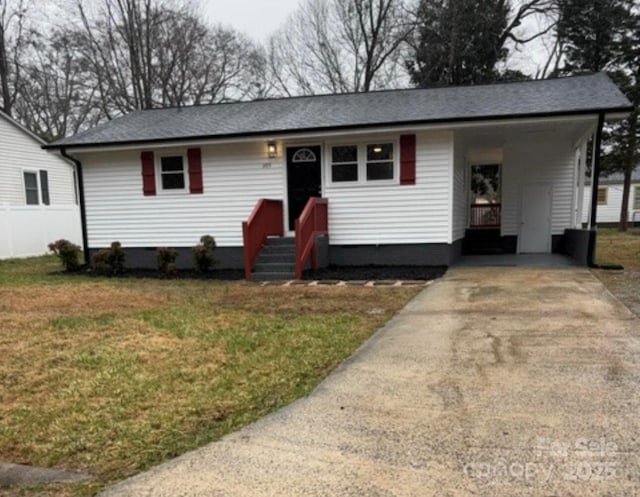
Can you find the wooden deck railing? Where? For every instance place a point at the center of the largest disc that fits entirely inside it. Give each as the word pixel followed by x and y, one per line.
pixel 313 222
pixel 485 215
pixel 265 220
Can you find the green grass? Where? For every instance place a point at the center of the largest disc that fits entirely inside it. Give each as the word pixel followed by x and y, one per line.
pixel 615 247
pixel 113 376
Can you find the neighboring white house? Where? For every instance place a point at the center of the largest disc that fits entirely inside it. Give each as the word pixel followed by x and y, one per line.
pixel 38 202
pixel 394 168
pixel 610 190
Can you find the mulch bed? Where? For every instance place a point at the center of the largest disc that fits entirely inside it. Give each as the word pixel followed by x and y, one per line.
pixel 181 274
pixel 329 274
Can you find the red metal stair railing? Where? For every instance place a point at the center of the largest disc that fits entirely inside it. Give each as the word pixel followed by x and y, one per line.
pixel 313 222
pixel 265 220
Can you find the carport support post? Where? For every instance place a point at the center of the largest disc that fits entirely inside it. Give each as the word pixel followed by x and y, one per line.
pixel 595 179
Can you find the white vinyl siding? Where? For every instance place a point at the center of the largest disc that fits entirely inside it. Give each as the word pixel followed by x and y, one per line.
pixel 610 213
pixel 235 177
pixel 543 160
pixel 26 230
pixel 19 152
pixel 398 214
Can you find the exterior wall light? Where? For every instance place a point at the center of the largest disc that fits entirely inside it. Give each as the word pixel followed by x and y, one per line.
pixel 272 149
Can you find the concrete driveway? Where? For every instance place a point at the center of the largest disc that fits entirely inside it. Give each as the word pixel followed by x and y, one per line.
pixel 492 382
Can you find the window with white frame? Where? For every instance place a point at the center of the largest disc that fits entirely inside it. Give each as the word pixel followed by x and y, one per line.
pixel 31 189
pixel 344 163
pixel 380 162
pixel 36 187
pixel 361 163
pixel 172 173
pixel 636 198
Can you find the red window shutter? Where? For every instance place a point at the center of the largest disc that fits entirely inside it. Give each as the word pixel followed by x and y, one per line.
pixel 194 156
pixel 148 173
pixel 408 160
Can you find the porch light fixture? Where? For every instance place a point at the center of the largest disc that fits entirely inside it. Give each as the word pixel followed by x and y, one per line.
pixel 272 149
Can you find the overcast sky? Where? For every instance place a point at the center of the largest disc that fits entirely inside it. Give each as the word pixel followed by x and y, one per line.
pixel 260 18
pixel 256 18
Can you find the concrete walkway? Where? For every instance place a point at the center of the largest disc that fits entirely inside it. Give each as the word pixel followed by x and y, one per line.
pixel 492 382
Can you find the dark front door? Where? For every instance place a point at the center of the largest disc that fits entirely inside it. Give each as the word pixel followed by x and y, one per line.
pixel 303 179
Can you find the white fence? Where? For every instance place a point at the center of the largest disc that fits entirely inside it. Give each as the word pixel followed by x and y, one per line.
pixel 27 230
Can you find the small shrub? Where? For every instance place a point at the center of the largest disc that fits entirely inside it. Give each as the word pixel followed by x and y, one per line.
pixel 165 259
pixel 68 253
pixel 203 258
pixel 109 260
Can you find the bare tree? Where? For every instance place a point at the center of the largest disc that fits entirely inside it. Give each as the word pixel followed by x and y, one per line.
pixel 152 53
pixel 57 96
pixel 206 65
pixel 13 42
pixel 339 46
pixel 519 13
pixel 118 44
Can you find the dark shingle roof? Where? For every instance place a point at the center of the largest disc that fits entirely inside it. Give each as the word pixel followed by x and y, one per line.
pixel 573 95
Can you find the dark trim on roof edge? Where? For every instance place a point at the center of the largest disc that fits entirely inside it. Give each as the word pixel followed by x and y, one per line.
pixel 257 134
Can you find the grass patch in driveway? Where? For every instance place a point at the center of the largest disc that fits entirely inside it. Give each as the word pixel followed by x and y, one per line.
pixel 617 247
pixel 113 376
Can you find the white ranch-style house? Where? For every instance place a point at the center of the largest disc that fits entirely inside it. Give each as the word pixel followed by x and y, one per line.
pixel 411 177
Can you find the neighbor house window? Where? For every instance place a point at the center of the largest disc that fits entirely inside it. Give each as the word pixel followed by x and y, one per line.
pixel 602 196
pixel 363 163
pixel 636 198
pixel 36 187
pixel 172 173
pixel 31 190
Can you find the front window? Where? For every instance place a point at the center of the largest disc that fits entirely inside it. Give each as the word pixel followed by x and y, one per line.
pixel 172 173
pixel 31 190
pixel 380 161
pixel 363 163
pixel 344 163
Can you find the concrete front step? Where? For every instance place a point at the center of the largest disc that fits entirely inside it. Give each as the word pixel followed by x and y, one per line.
pixel 277 261
pixel 279 249
pixel 275 267
pixel 275 257
pixel 281 241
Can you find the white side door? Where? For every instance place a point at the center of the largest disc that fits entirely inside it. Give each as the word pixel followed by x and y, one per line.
pixel 535 222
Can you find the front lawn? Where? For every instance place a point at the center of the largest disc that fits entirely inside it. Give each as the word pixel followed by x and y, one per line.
pixel 112 376
pixel 621 248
